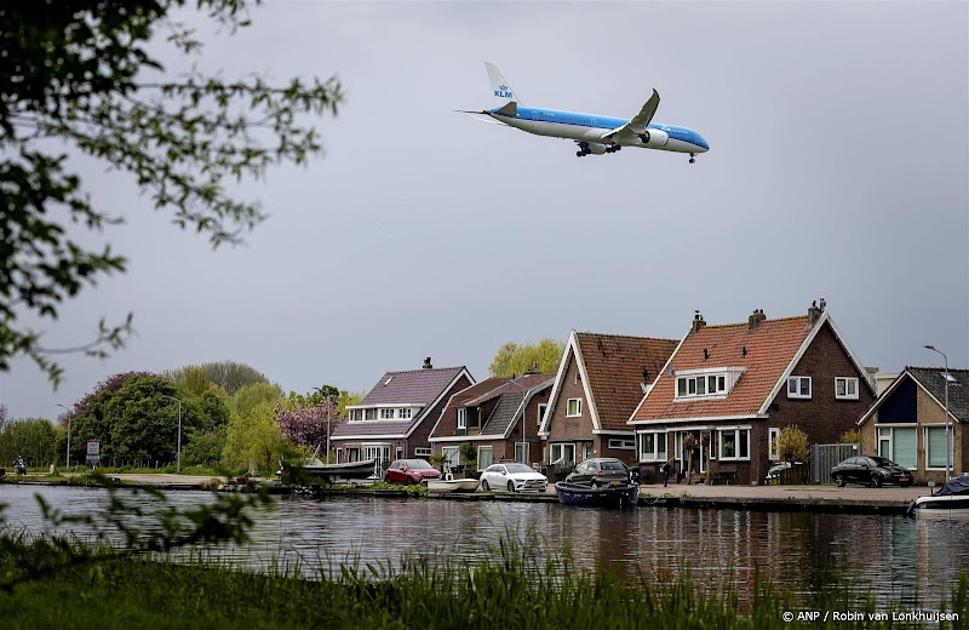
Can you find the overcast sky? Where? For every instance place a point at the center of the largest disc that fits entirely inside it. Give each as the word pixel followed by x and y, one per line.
pixel 838 168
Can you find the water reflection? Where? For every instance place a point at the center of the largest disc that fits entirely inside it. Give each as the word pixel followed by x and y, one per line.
pixel 891 557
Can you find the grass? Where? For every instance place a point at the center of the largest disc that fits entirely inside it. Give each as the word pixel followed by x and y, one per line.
pixel 510 590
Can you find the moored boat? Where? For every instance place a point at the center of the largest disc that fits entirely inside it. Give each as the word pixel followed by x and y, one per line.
pixel 949 501
pixel 451 485
pixel 349 470
pixel 621 496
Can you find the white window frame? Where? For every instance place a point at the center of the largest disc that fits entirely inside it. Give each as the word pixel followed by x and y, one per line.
pixel 386 414
pixel 737 433
pixel 848 380
pixel 423 451
pixel 489 448
pixel 657 455
pixel 568 406
pixel 561 447
pixel 405 413
pixel 526 447
pixel 720 382
pixel 622 444
pixel 454 458
pixel 772 451
pixel 462 418
pixel 399 452
pixel 542 407
pixel 889 437
pixel 367 412
pixel 798 395
pixel 925 440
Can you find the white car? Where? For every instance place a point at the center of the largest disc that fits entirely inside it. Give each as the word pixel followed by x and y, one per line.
pixel 513 478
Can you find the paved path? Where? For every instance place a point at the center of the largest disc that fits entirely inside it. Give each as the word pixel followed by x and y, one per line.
pixel 849 498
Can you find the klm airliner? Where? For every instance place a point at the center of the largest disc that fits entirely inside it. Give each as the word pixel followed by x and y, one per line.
pixel 594 134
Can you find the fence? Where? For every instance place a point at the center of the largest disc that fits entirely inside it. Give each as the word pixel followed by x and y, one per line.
pixel 824 457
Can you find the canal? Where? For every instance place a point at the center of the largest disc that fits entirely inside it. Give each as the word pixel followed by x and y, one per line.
pixel 893 558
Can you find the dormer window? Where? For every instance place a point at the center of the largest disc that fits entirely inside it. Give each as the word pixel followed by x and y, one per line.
pixel 371 414
pixel 386 414
pixel 705 383
pixel 462 418
pixel 405 413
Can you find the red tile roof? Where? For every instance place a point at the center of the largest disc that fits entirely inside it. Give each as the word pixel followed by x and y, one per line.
pixel 770 347
pixel 614 366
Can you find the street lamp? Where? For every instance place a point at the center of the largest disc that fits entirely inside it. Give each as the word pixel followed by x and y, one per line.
pixel 178 462
pixel 948 431
pixel 68 463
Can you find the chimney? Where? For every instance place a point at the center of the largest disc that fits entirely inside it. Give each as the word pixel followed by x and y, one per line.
pixel 814 311
pixel 427 364
pixel 698 322
pixel 755 318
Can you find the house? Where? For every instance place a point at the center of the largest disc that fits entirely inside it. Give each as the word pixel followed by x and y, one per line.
pixel 907 423
pixel 600 380
pixel 394 419
pixel 716 408
pixel 499 417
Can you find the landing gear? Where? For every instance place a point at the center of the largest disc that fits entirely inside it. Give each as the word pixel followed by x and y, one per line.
pixel 583 150
pixel 691 159
pixel 612 148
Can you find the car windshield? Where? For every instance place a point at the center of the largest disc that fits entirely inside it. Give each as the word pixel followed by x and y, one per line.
pixel 881 461
pixel 518 468
pixel 612 466
pixel 417 464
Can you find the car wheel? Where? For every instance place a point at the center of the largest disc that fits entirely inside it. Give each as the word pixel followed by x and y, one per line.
pixel 839 480
pixel 511 486
pixel 484 485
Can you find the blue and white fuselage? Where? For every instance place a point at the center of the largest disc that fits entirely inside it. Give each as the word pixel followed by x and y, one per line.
pixel 594 134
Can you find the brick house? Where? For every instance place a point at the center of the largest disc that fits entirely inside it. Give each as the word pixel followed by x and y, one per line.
pixel 395 418
pixel 907 423
pixel 500 417
pixel 600 380
pixel 716 408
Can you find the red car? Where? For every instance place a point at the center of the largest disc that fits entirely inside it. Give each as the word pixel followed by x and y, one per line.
pixel 409 471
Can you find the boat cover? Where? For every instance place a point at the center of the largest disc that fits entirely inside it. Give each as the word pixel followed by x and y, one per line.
pixel 956 486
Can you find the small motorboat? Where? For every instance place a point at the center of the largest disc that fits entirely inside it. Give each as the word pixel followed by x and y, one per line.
pixel 620 496
pixel 441 486
pixel 949 501
pixel 350 470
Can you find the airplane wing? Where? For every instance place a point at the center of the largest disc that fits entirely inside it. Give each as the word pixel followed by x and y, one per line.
pixel 638 123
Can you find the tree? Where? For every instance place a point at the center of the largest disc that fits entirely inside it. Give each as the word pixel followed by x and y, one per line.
pixel 227 375
pixel 512 358
pixel 792 444
pixel 33 438
pixel 250 396
pixel 319 394
pixel 253 440
pixel 307 426
pixel 82 75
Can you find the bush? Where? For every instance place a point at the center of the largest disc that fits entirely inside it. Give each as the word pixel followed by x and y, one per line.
pixel 792 444
pixel 850 437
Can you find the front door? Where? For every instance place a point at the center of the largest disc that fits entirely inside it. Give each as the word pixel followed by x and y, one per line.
pixel 704 451
pixel 521 452
pixel 379 452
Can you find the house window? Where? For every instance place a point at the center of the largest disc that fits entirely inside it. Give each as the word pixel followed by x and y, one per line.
pixel 734 444
pixel 576 378
pixel 386 414
pixel 563 454
pixel 935 447
pixel 399 452
pixel 701 385
pixel 799 387
pixel 371 414
pixel 652 447
pixel 521 452
pixel 898 445
pixel 484 457
pixel 452 455
pixel 356 414
pixel 541 411
pixel 462 418
pixel 772 434
pixel 423 451
pixel 574 407
pixel 846 388
pixel 473 420
pixel 622 445
pixel 404 413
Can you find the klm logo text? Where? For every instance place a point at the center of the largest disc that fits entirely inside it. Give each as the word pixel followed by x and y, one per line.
pixel 503 92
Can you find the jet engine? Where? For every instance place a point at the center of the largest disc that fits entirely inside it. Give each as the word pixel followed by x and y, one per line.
pixel 654 138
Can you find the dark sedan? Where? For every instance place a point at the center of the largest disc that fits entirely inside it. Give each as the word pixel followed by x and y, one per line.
pixel 872 471
pixel 411 471
pixel 602 471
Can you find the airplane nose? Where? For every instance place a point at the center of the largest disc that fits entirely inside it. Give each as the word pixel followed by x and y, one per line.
pixel 702 142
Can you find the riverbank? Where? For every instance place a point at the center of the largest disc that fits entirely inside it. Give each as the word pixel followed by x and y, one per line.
pixel 510 590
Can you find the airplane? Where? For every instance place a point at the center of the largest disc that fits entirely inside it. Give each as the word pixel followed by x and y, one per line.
pixel 593 134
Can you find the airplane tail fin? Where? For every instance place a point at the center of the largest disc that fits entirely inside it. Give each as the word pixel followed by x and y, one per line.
pixel 500 88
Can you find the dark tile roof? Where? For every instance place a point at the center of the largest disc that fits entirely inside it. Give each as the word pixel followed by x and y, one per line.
pixel 525 381
pixel 446 429
pixel 503 414
pixel 372 427
pixel 614 365
pixel 933 380
pixel 414 387
pixel 770 347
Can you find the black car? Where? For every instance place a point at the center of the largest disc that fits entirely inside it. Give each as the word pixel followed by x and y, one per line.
pixel 598 472
pixel 871 470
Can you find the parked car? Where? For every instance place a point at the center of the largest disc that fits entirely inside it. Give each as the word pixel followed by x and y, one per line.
pixel 513 477
pixel 871 470
pixel 774 472
pixel 410 471
pixel 602 471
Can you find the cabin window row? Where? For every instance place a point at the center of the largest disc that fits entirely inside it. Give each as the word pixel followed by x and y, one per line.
pixel 701 385
pixel 381 413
